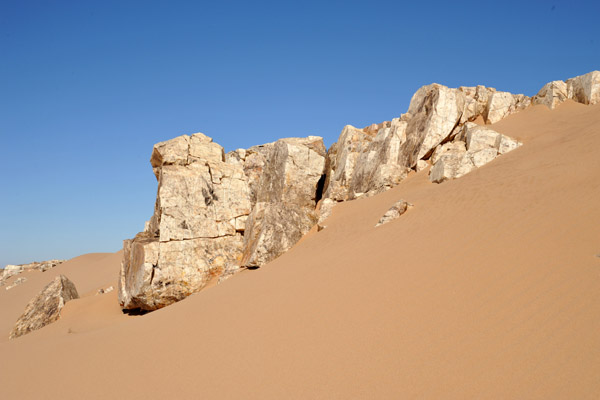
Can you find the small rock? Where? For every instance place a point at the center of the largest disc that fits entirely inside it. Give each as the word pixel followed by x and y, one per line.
pixel 107 290
pixel 17 282
pixel 45 308
pixel 394 212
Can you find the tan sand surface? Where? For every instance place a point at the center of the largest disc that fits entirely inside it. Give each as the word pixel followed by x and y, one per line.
pixel 489 287
pixel 88 272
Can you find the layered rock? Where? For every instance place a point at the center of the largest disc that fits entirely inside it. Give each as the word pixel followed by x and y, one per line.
pixel 45 308
pixel 287 194
pixel 474 147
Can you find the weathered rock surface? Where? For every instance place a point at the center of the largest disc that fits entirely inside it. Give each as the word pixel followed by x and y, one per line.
pixel 45 308
pixel 481 145
pixel 435 110
pixel 585 89
pixel 287 194
pixel 366 162
pixel 195 234
pixel 552 94
pixel 370 160
pixel 203 229
pixel 253 162
pixel 399 208
pixel 502 104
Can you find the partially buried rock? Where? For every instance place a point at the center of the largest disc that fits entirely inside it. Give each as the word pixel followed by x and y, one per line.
pixel 45 308
pixel 482 145
pixel 399 208
pixel 16 283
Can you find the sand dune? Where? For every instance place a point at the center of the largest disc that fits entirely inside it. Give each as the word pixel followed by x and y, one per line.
pixel 489 287
pixel 89 272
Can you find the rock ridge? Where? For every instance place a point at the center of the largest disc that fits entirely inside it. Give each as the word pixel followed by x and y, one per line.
pixel 217 212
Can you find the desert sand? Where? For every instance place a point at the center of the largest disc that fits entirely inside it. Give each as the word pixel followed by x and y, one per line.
pixel 489 287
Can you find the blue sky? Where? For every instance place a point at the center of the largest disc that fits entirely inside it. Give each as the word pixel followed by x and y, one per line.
pixel 86 89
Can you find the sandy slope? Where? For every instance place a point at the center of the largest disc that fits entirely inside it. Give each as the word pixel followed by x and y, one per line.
pixel 489 287
pixel 88 272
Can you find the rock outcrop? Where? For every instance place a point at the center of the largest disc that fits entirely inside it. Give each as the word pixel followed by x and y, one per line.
pixel 12 270
pixel 45 308
pixel 370 160
pixel 16 283
pixel 395 211
pixel 474 147
pixel 215 213
pixel 583 89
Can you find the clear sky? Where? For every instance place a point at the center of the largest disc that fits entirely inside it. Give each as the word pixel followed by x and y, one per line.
pixel 87 88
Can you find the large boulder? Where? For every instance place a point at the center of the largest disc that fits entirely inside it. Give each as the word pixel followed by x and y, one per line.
pixel 195 234
pixel 216 212
pixel 287 194
pixel 45 308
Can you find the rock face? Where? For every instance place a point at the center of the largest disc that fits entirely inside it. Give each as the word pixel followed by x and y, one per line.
pixel 399 208
pixel 480 146
pixel 217 212
pixel 45 308
pixel 286 199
